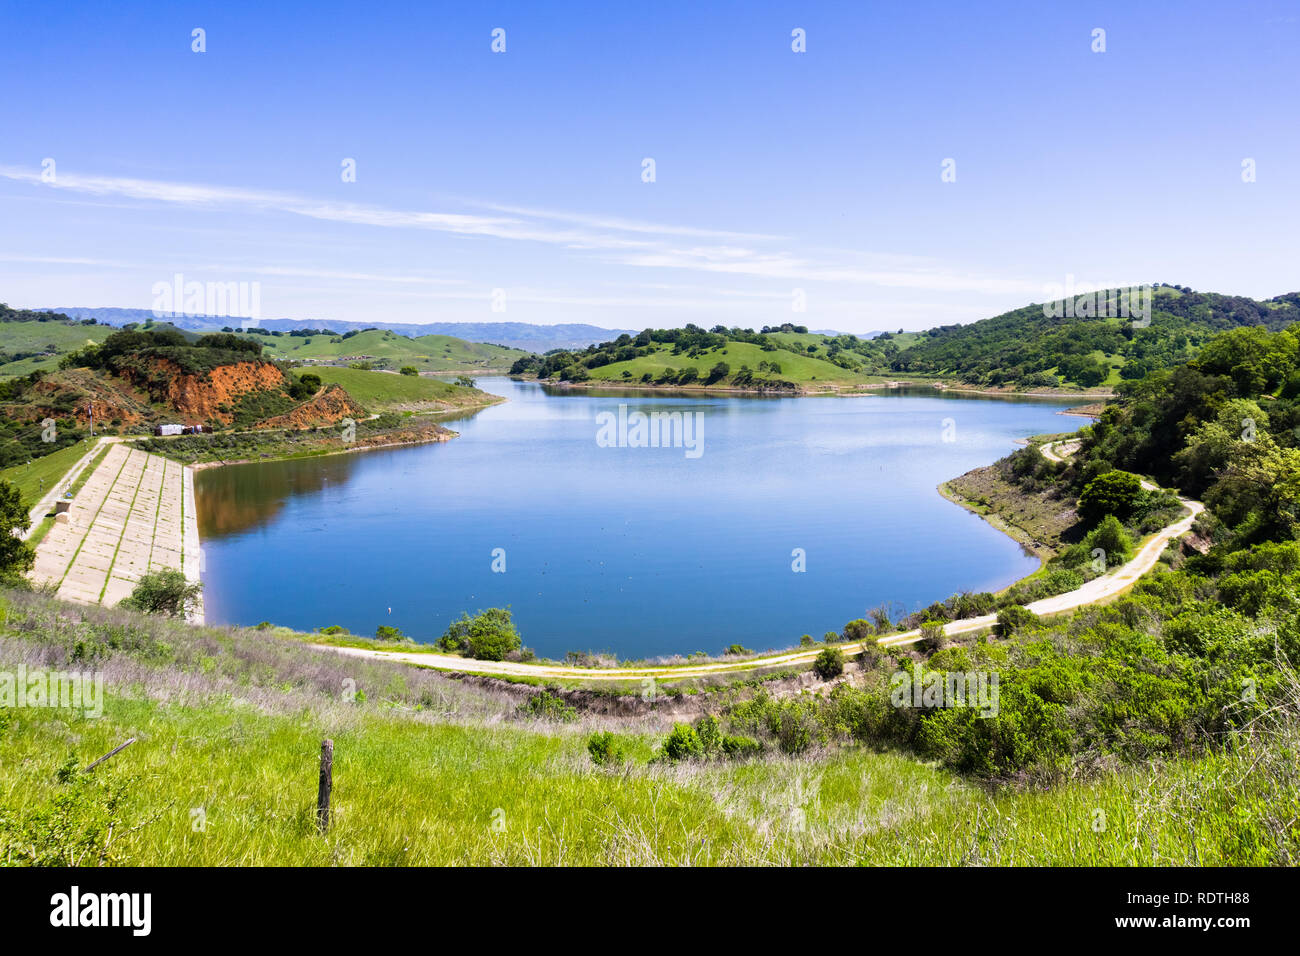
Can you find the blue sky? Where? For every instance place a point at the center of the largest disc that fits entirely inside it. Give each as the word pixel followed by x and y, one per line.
pixel 521 171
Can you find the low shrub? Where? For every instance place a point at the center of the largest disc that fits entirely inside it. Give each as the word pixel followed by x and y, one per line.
pixel 682 743
pixel 1013 619
pixel 547 706
pixel 829 663
pixel 605 749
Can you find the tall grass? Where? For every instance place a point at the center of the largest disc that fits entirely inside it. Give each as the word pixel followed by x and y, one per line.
pixel 430 770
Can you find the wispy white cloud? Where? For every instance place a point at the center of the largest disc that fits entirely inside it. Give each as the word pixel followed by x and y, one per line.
pixel 614 240
pixel 625 225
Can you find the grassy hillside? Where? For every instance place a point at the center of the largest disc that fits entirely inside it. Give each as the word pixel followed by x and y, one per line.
pixel 1022 349
pixel 388 349
pixel 430 770
pixel 803 370
pixel 29 346
pixel 786 360
pixel 383 391
pixel 34 478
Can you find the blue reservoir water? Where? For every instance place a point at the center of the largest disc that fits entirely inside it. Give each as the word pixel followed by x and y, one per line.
pixel 641 551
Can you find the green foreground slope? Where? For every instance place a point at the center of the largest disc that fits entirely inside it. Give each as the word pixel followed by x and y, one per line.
pixel 428 770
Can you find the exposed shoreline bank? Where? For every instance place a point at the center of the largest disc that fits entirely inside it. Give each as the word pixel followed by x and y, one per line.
pixel 837 391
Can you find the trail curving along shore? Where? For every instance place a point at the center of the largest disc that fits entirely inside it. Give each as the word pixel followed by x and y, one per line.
pixel 1096 591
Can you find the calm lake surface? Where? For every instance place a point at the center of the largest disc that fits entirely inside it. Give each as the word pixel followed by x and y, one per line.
pixel 637 550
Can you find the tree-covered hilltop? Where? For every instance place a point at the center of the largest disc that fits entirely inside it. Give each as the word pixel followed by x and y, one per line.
pixel 1027 348
pixel 1225 427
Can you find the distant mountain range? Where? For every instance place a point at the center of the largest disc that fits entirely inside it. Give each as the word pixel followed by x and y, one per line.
pixel 517 335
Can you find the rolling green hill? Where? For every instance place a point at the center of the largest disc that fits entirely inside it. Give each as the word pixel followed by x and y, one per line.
pixel 36 344
pixel 804 370
pixel 382 391
pixel 790 361
pixel 384 348
pixel 1027 348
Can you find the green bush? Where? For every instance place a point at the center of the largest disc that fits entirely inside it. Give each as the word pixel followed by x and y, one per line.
pixel 682 743
pixel 706 728
pixel 1013 619
pixel 605 750
pixel 829 663
pixel 931 637
pixel 1110 537
pixel 547 705
pixel 858 629
pixel 1113 493
pixel 797 726
pixel 16 555
pixel 488 636
pixel 164 592
pixel 738 748
pixel 385 632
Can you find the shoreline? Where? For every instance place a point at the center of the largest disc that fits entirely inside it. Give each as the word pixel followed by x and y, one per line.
pixel 453 410
pixel 204 465
pixel 848 391
pixel 427 655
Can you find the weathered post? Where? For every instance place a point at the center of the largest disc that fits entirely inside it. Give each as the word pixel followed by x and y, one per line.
pixel 326 784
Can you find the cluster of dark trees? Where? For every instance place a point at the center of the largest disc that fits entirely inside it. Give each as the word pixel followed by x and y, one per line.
pixel 8 314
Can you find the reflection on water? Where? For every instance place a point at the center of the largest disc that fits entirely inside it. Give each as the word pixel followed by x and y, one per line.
pixel 235 498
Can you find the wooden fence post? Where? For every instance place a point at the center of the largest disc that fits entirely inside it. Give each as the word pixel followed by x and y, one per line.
pixel 326 784
pixel 116 750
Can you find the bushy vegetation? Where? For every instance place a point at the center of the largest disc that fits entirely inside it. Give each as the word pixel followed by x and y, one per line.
pixel 829 663
pixel 16 555
pixel 489 635
pixel 1028 348
pixel 605 749
pixel 166 592
pixel 548 705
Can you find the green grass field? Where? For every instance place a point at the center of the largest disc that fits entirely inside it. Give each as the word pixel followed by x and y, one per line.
pixel 56 337
pixel 428 353
pixel 38 477
pixel 428 770
pixel 379 391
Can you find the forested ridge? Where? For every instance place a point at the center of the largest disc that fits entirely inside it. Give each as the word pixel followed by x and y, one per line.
pixel 1026 348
